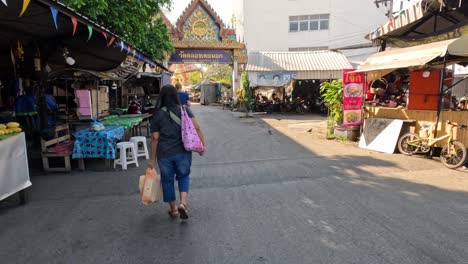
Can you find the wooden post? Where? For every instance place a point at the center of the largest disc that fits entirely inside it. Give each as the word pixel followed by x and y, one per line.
pixel 441 95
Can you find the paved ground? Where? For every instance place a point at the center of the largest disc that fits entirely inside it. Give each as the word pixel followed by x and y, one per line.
pixel 288 197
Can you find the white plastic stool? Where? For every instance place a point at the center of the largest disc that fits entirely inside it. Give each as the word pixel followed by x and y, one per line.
pixel 125 160
pixel 140 152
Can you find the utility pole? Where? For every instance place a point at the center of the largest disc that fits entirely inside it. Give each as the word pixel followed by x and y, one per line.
pixel 386 3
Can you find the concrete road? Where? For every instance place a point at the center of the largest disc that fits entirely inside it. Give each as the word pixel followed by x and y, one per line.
pixel 288 196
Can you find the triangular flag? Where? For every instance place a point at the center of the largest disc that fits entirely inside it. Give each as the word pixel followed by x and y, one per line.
pixel 105 35
pixel 111 41
pixel 75 24
pixel 4 1
pixel 128 49
pixel 390 23
pixel 25 6
pixel 134 53
pixel 121 45
pixel 90 30
pixel 54 15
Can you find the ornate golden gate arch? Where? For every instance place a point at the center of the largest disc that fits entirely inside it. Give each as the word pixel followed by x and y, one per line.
pixel 200 36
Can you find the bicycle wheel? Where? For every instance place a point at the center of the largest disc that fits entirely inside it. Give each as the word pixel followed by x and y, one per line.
pixel 453 155
pixel 409 143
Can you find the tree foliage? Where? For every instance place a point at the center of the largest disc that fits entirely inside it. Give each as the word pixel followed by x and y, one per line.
pixel 137 21
pixel 248 93
pixel 219 72
pixel 194 77
pixel 332 93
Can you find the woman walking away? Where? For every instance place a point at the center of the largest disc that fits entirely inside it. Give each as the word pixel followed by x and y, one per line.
pixel 168 149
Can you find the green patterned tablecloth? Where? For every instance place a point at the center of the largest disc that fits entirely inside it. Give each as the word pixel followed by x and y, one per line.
pixel 123 121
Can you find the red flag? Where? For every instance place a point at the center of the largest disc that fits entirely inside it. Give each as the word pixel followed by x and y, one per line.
pixel 105 36
pixel 390 23
pixel 75 24
pixel 111 41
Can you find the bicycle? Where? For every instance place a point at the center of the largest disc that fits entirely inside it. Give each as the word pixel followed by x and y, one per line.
pixel 453 154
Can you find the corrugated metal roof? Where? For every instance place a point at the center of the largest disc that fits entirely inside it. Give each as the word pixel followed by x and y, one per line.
pixel 297 61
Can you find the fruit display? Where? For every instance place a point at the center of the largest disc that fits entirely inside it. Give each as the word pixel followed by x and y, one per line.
pixel 9 129
pixel 13 125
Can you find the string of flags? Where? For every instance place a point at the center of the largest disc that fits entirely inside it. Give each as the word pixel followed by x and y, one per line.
pixel 109 41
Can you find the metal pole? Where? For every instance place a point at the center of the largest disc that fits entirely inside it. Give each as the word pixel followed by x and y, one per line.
pixel 364 95
pixel 439 103
pixel 235 74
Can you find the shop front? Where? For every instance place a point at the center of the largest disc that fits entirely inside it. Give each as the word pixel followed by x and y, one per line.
pixel 57 69
pixel 290 81
pixel 414 85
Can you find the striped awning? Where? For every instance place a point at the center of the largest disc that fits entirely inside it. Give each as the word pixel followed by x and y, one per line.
pixel 307 65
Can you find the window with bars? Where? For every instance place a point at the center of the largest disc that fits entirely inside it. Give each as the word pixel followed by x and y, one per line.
pixel 309 23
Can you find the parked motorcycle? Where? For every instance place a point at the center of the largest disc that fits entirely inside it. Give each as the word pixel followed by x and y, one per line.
pixel 301 106
pixel 320 106
pixel 134 107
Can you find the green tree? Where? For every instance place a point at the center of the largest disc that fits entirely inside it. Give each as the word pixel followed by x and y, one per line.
pixel 194 77
pixel 137 21
pixel 332 93
pixel 248 93
pixel 219 72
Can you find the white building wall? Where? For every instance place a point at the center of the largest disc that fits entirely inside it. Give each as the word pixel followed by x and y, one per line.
pixel 264 24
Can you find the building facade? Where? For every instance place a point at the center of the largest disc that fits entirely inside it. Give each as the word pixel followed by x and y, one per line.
pixel 307 25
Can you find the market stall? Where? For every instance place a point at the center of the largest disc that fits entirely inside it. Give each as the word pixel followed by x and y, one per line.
pixel 82 95
pixel 414 83
pixel 58 67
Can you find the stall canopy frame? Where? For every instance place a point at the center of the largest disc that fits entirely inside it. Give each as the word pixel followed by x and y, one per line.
pixel 385 62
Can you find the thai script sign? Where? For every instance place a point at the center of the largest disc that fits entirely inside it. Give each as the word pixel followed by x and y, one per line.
pixel 201 56
pixel 353 91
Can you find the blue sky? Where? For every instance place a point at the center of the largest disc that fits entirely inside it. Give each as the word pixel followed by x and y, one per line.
pixel 222 7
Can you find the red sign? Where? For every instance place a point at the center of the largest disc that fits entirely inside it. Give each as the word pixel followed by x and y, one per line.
pixel 353 91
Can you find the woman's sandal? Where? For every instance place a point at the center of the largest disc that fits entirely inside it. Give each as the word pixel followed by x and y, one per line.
pixel 183 211
pixel 173 213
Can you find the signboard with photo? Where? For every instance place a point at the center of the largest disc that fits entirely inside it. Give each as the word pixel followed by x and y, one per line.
pixel 273 79
pixel 353 91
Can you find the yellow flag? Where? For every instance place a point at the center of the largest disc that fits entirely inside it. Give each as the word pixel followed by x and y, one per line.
pixel 25 6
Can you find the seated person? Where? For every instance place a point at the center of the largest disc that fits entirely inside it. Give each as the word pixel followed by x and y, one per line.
pixel 276 103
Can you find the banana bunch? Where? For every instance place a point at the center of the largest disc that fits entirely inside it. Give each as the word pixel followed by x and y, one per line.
pixel 9 128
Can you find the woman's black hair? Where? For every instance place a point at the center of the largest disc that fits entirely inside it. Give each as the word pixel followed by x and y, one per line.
pixel 168 97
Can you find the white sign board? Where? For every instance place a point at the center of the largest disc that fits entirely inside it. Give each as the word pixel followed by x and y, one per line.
pixel 381 134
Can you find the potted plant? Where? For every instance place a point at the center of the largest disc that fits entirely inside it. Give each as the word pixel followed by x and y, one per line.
pixel 332 93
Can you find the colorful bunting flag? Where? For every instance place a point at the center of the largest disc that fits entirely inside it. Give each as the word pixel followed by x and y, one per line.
pixel 5 2
pixel 111 41
pixel 128 49
pixel 25 6
pixel 54 15
pixel 90 31
pixel 134 53
pixel 75 24
pixel 105 35
pixel 390 24
pixel 122 45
